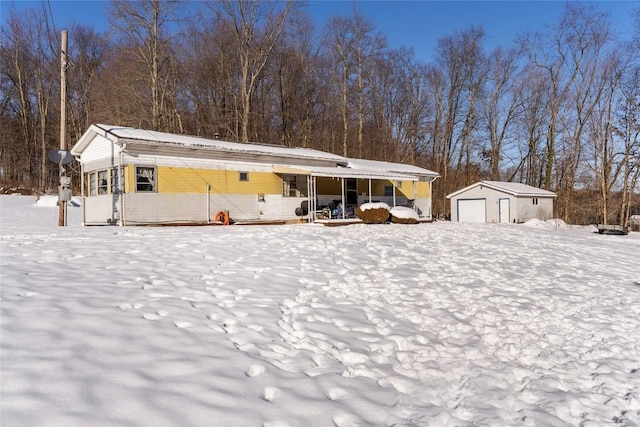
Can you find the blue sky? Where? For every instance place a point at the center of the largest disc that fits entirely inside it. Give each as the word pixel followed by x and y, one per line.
pixel 416 24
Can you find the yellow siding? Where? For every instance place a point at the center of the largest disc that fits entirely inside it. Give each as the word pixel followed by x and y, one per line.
pixel 404 188
pixel 423 189
pixel 187 180
pixel 328 186
pixel 129 178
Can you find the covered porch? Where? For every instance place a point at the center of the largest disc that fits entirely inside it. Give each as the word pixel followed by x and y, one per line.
pixel 333 194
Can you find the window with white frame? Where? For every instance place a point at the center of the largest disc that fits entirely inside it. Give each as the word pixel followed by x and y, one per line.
pixel 91 183
pixel 535 200
pixel 115 180
pixel 146 179
pixel 103 182
pixel 294 185
pixel 243 176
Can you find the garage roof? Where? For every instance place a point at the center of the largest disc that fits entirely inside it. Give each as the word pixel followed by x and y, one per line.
pixel 514 188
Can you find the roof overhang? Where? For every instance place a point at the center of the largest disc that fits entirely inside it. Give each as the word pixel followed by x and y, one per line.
pixel 393 168
pixel 342 172
pixel 87 137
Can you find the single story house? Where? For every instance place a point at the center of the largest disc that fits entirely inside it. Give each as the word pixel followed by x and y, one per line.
pixel 140 177
pixel 500 202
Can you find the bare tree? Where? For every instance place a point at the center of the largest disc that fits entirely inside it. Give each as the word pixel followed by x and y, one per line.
pixel 210 63
pixel 476 69
pixel 409 106
pixel 256 26
pixel 18 104
pixel 456 81
pixel 29 61
pixel 87 55
pixel 384 97
pixel 591 34
pixel 367 45
pixel 561 52
pixel 603 146
pixel 339 40
pixel 294 82
pixel 530 126
pixel 144 24
pixel 500 106
pixel 627 128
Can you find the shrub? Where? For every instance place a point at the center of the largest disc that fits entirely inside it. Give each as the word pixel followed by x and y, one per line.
pixel 403 215
pixel 371 213
pixel 397 220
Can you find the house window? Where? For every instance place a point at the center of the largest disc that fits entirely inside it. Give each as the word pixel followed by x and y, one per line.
pixel 535 200
pixel 145 179
pixel 115 180
pixel 103 182
pixel 388 191
pixel 294 185
pixel 244 176
pixel 91 182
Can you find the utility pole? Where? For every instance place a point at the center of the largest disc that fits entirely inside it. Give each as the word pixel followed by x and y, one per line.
pixel 64 181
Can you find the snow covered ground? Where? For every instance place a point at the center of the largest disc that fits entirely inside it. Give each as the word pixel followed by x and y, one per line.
pixel 439 324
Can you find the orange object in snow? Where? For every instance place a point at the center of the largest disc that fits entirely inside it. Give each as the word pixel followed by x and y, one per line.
pixel 222 217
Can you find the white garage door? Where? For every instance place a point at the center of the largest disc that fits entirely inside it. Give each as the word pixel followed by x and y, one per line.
pixel 472 210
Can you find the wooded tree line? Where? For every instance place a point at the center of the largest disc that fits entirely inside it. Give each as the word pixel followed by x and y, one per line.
pixel 558 109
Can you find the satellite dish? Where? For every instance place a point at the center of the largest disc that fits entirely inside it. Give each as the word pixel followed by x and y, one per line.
pixel 61 157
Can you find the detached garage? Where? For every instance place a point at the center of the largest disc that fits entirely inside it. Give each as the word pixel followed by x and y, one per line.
pixel 500 202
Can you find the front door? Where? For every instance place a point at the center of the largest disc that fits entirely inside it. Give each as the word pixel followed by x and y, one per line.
pixel 351 191
pixel 504 210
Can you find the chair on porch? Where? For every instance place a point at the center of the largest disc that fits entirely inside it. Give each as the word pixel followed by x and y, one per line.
pixel 303 210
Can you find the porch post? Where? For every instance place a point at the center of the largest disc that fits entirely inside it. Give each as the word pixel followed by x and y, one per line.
pixel 431 198
pixel 344 207
pixel 312 198
pixel 394 192
pixel 312 208
pixel 84 201
pixel 208 203
pixel 369 190
pixel 122 183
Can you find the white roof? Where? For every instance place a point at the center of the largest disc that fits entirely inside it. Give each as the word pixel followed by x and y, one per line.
pixel 153 137
pixel 345 168
pixel 343 172
pixel 513 188
pixel 391 167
